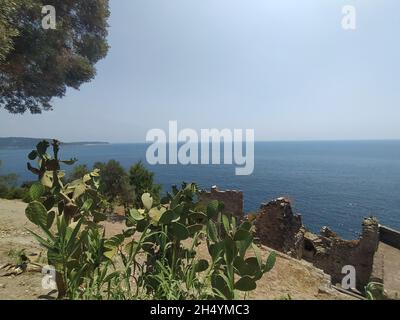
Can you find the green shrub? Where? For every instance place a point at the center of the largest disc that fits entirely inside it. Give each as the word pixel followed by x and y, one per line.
pixel 17 193
pixel 227 271
pixel 142 181
pixel 9 180
pixel 118 186
pixel 77 172
pixel 3 191
pixel 76 246
pixel 375 291
pixel 11 192
pixel 114 182
pixel 8 185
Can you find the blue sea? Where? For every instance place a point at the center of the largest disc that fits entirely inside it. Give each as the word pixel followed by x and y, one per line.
pixel 330 183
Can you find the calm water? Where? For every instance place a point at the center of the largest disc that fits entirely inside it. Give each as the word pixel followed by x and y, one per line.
pixel 330 183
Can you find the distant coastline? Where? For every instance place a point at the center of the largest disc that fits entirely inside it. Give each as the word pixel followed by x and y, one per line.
pixel 22 143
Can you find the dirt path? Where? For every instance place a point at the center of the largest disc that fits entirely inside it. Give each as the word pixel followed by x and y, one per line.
pixel 289 278
pixel 14 237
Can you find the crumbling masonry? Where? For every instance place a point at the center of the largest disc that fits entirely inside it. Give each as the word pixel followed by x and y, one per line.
pixel 232 199
pixel 279 228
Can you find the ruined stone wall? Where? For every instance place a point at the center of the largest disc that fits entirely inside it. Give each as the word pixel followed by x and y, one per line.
pixel 279 228
pixel 232 199
pixel 331 253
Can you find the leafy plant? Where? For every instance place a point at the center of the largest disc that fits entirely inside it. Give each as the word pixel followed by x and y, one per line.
pixel 375 291
pixel 182 218
pixel 142 181
pixel 114 183
pixel 77 172
pixel 8 185
pixel 77 247
pixel 18 256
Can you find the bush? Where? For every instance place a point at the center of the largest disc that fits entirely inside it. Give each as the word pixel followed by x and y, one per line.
pixel 142 181
pixel 7 184
pixel 17 193
pixel 27 184
pixel 114 183
pixel 119 186
pixel 376 291
pixel 3 191
pixel 77 172
pixel 9 190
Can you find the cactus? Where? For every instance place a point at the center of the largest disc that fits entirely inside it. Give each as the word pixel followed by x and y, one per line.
pixel 77 207
pixel 48 170
pixel 181 217
pixel 228 250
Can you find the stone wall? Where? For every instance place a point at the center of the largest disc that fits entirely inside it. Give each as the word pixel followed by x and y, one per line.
pixel 232 199
pixel 279 228
pixel 331 253
pixel 389 236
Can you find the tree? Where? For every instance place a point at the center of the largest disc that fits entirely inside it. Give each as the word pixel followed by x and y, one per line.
pixel 142 181
pixel 7 30
pixel 7 183
pixel 78 172
pixel 114 182
pixel 37 65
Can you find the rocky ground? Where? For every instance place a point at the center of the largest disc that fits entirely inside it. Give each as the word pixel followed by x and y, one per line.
pixel 390 269
pixel 289 278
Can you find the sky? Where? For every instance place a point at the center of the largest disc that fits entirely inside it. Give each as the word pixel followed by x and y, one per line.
pixel 285 68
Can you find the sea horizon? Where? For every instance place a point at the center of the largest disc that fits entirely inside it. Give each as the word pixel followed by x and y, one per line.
pixel 104 141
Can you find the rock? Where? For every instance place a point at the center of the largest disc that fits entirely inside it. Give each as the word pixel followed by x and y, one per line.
pixel 354 290
pixel 325 290
pixel 327 232
pixel 2 285
pixel 3 266
pixel 279 228
pixel 232 199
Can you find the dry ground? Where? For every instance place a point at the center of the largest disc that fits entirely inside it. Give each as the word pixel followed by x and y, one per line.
pixel 390 269
pixel 290 277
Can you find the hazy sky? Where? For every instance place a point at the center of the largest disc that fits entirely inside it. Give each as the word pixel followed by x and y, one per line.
pixel 285 68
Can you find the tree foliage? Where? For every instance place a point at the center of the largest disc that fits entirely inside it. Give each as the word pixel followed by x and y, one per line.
pixel 37 65
pixel 78 172
pixel 9 188
pixel 142 181
pixel 6 182
pixel 7 30
pixel 114 183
